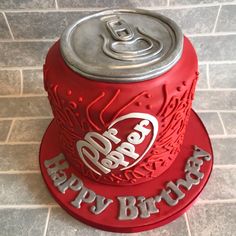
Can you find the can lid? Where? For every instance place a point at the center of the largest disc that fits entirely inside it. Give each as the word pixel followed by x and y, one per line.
pixel 122 45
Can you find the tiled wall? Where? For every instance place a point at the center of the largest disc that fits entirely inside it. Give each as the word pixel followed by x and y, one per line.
pixel 27 29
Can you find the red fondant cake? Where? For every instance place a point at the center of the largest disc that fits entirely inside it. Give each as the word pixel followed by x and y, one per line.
pixel 121 85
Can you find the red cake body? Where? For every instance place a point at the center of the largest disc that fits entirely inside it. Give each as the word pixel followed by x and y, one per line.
pixel 125 152
pixel 81 106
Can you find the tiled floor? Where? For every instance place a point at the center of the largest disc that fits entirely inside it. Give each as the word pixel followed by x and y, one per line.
pixel 27 30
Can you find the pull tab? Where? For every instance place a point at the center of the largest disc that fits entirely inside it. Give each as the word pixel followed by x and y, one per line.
pixel 120 30
pixel 128 43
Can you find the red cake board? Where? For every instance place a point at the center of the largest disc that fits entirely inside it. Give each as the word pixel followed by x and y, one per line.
pixel 108 220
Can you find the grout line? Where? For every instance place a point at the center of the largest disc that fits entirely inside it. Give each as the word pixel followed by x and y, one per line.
pixel 218 62
pixel 16 143
pixel 10 130
pixel 56 4
pixel 222 123
pixel 168 3
pixel 223 89
pixel 222 111
pixel 22 68
pixel 179 7
pixel 103 8
pixel 8 26
pixel 202 63
pixel 233 200
pixel 21 82
pixel 215 34
pixel 86 9
pixel 32 118
pixel 29 40
pixel 216 89
pixel 21 143
pixel 202 5
pixel 47 221
pixel 29 206
pixel 19 172
pixel 224 166
pixel 208 76
pixel 24 95
pixel 223 136
pixel 217 17
pixel 187 224
pixel 27 118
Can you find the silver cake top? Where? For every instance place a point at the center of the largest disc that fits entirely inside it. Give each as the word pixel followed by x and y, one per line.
pixel 122 45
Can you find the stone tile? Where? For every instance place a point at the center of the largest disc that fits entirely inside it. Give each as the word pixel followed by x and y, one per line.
pixel 61 224
pixel 222 75
pixel 4 32
pixel 194 2
pixel 33 82
pixel 213 219
pixel 4 129
pixel 28 130
pixel 212 123
pixel 22 222
pixel 23 189
pixel 23 53
pixel 26 4
pixel 224 150
pixel 227 19
pixel 24 106
pixel 193 20
pixel 215 48
pixel 40 25
pixel 19 157
pixel 202 81
pixel 110 3
pixel 229 120
pixel 215 100
pixel 10 82
pixel 221 185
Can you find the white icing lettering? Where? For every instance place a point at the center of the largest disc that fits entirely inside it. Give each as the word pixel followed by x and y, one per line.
pixel 130 207
pixel 114 159
pixel 55 164
pixel 128 150
pixel 135 137
pixel 128 210
pixel 73 183
pixel 147 207
pixel 96 149
pixel 81 145
pixel 85 195
pixel 56 169
pixel 110 134
pixel 91 137
pixel 101 204
pixel 171 195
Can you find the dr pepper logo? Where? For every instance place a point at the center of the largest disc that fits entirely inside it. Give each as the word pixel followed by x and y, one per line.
pixel 121 146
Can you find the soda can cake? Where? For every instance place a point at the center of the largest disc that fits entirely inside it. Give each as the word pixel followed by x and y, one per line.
pixel 125 152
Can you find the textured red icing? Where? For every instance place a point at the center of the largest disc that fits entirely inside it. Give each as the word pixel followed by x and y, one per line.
pixel 81 105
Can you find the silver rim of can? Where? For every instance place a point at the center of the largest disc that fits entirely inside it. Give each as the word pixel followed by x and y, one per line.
pixel 122 45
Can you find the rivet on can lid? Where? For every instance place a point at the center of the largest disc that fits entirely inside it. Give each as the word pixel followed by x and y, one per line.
pixel 122 45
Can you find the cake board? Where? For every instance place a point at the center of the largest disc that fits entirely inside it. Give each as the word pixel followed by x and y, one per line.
pixel 130 199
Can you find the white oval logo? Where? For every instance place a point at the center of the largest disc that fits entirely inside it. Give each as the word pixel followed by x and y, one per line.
pixel 115 149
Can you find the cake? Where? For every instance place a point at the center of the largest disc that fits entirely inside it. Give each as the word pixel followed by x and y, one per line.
pixel 121 85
